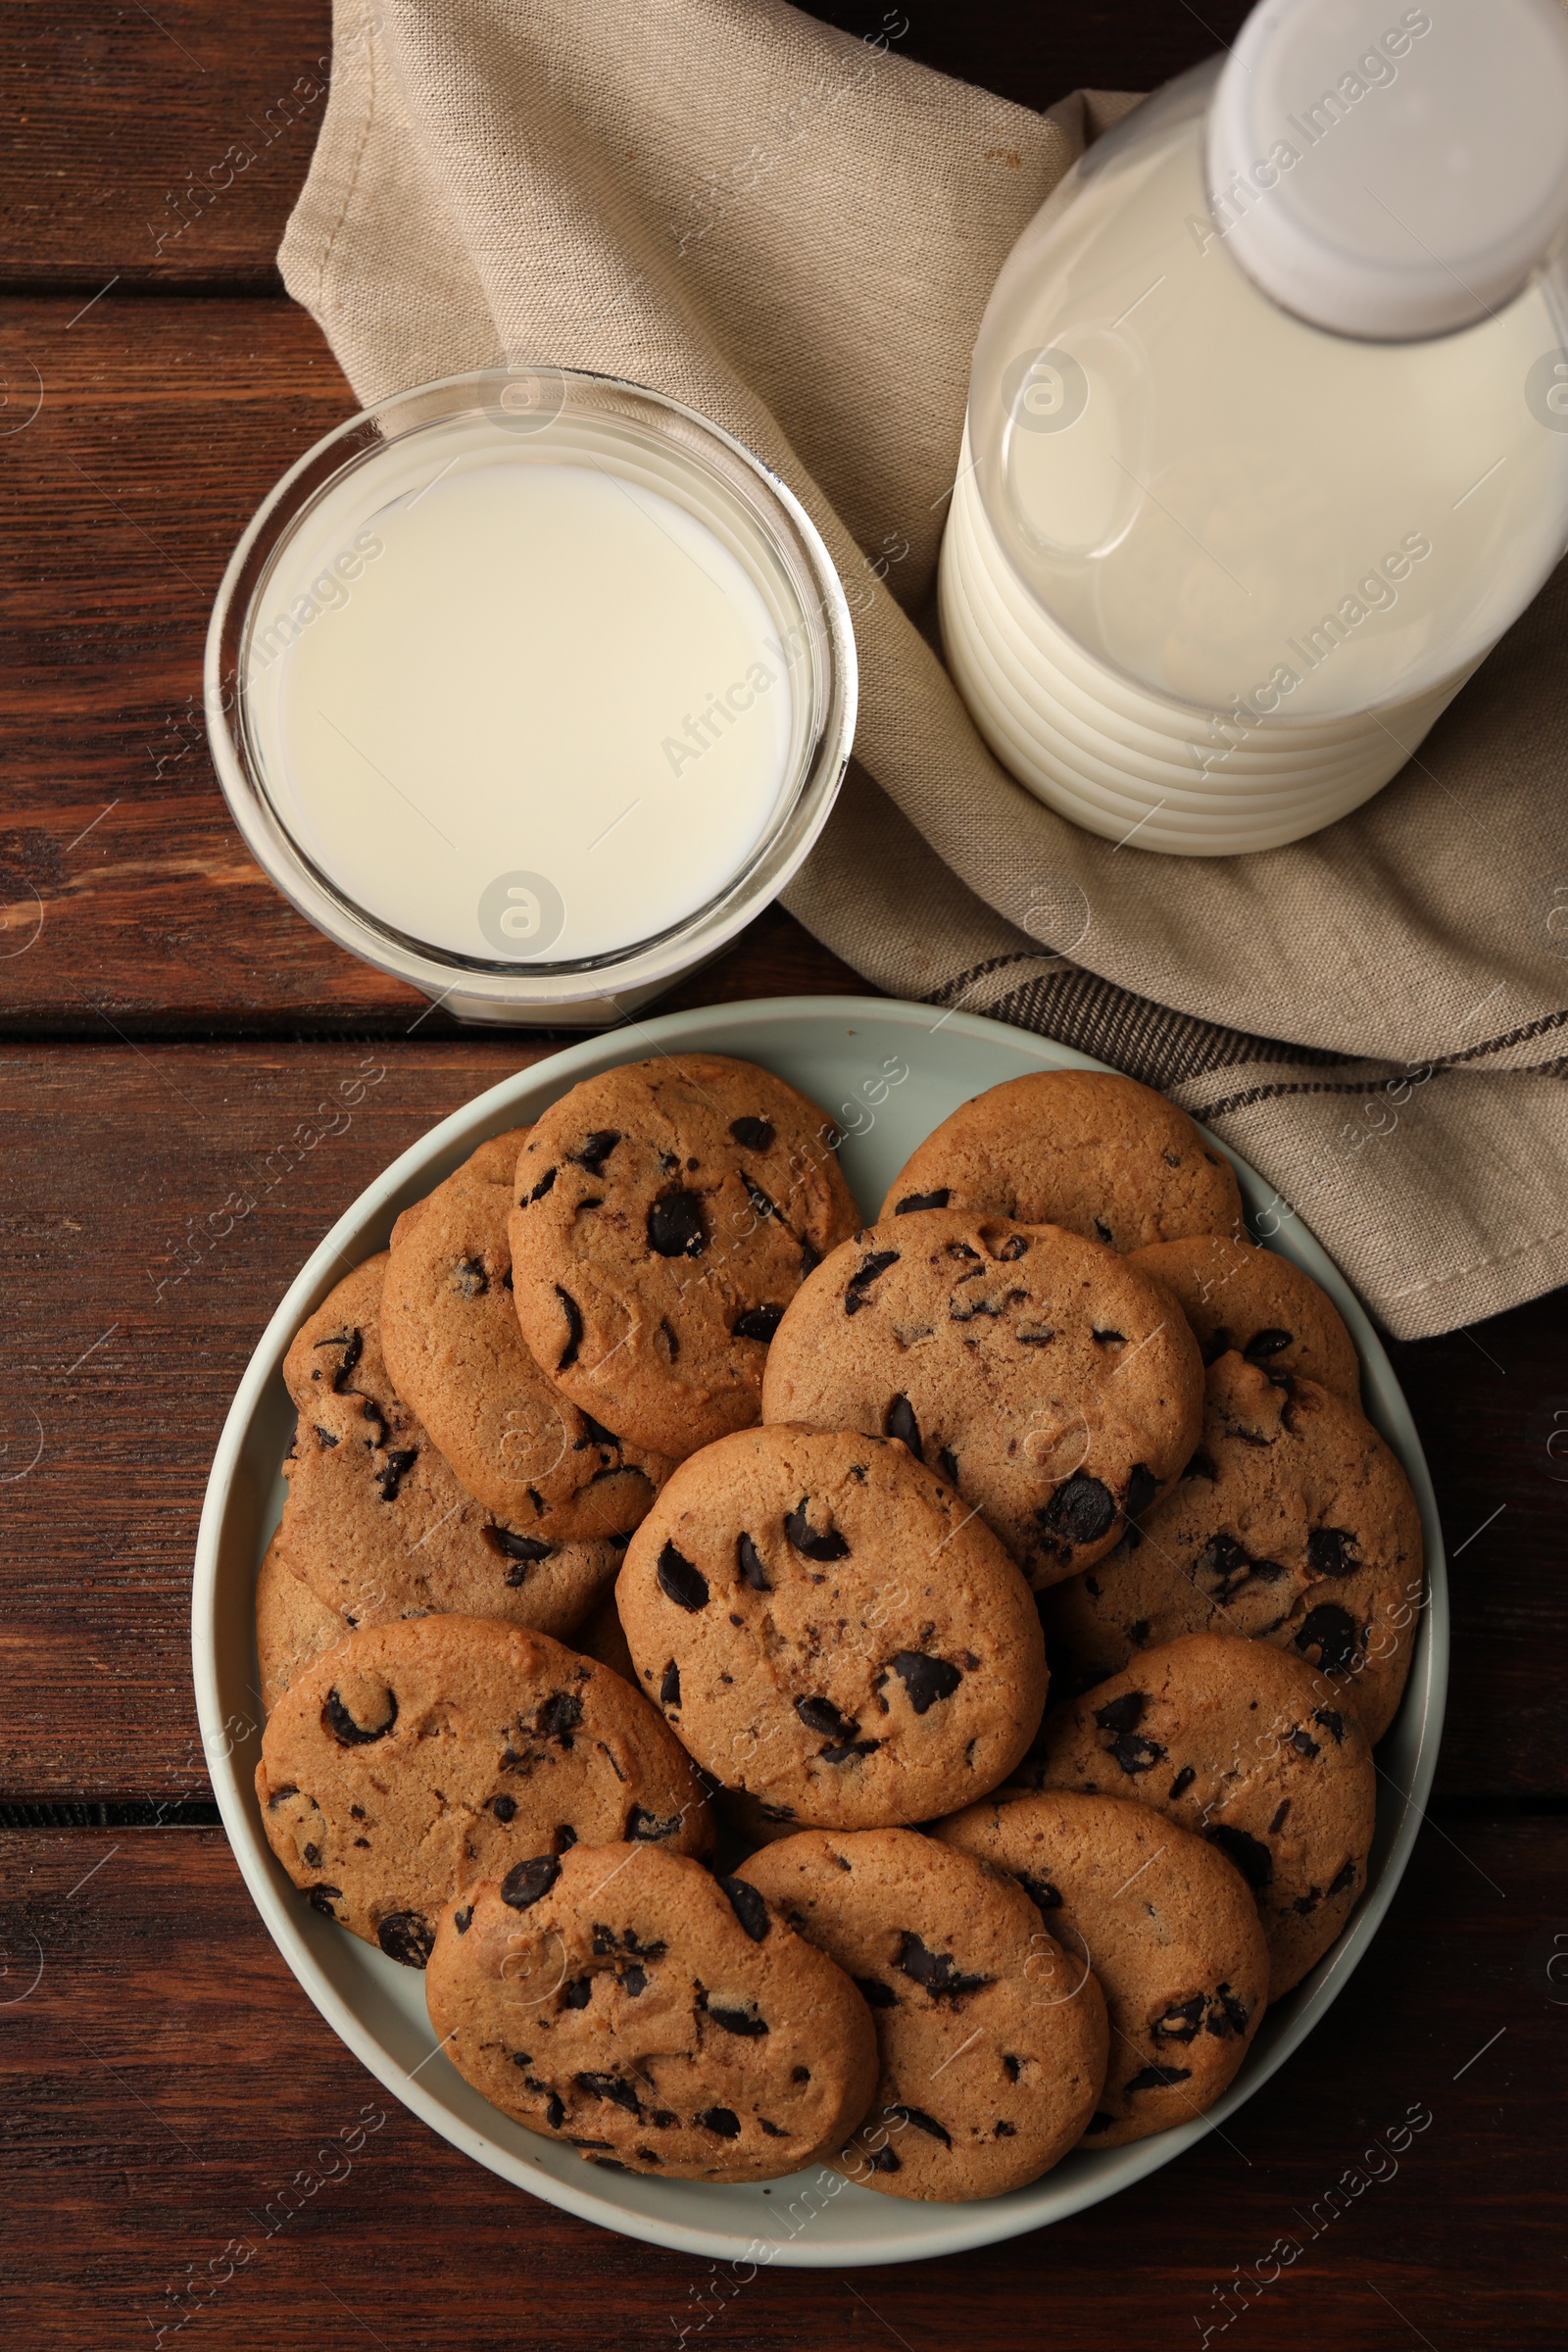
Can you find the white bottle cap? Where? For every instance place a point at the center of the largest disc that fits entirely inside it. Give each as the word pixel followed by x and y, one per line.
pixel 1393 173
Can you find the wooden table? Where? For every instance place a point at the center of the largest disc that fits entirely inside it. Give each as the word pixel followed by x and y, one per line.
pixel 169 1029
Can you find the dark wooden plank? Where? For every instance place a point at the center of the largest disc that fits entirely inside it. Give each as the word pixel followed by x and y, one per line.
pixel 131 1311
pixel 167 2091
pixel 156 147
pixel 126 896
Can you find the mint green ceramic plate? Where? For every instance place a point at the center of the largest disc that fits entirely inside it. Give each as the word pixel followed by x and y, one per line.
pixel 888 1073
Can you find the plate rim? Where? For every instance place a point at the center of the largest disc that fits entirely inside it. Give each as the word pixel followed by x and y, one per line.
pixel 953 2228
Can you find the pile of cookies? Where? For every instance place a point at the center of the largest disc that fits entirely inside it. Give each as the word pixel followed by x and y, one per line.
pixel 656 1638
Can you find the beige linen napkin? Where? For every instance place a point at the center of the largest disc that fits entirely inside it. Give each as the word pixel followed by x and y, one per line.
pixel 795 231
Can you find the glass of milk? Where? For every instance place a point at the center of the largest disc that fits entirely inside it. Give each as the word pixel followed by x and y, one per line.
pixel 1267 437
pixel 531 687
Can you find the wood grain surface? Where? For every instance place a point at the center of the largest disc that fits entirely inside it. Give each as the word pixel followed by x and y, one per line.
pixel 193 1085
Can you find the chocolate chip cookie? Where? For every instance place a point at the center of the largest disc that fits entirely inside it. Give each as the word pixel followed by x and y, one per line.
pixel 993 2040
pixel 454 1348
pixel 1168 1927
pixel 1098 1153
pixel 828 1627
pixel 1235 1295
pixel 292 1627
pixel 666 1213
pixel 657 2020
pixel 1057 1388
pixel 1254 1749
pixel 375 1522
pixel 1292 1523
pixel 417 1757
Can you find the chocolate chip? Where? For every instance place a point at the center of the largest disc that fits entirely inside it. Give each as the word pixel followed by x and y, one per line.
pixel 523 1551
pixel 404 1935
pixel 758 1323
pixel 1159 2077
pixel 675 1225
pixel 614 2087
pixel 749 1908
pixel 1081 1510
pixel 1182 1781
pixel 1278 1821
pixel 1227 2014
pixel 845 1749
pixel 1111 1339
pixel 568 1354
pixel 937 1972
pixel 756 1135
pixel 773 2131
pixel 1342 1877
pixel 1041 1892
pixel 665 2118
pixel 504 1807
pixel 885 2161
pixel 559 1717
pixel 858 1289
pixel 876 1995
pixel 540 1189
pixel 1332 1722
pixel 1224 1565
pixel 1305 1745
pixel 1250 1855
pixel 899 1422
pixel 321 1899
pixel 744 2022
pixel 684 1583
pixel 1264 1343
pixel 821 1715
pixel 279 1794
pixel 348 1361
pixel 596 1151
pixel 750 1563
pixel 336 1719
pixel 469 1277
pixel 758 1200
pixel 723 2119
pixel 937 1199
pixel 669 1685
pixel 1331 1631
pixel 925 1679
pixel 577 1993
pixel 634 1981
pixel 1013 2068
pixel 313 1855
pixel 325 1436
pixel 947 1464
pixel 1330 1551
pixel 395 1469
pixel 1134 1753
pixel 1035 1335
pixel 651 1829
pixel 1183 2021
pixel 1141 1488
pixel 825 1545
pixel 923 2122
pixel 1122 1714
pixel 525 1881
pixel 1004 2130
